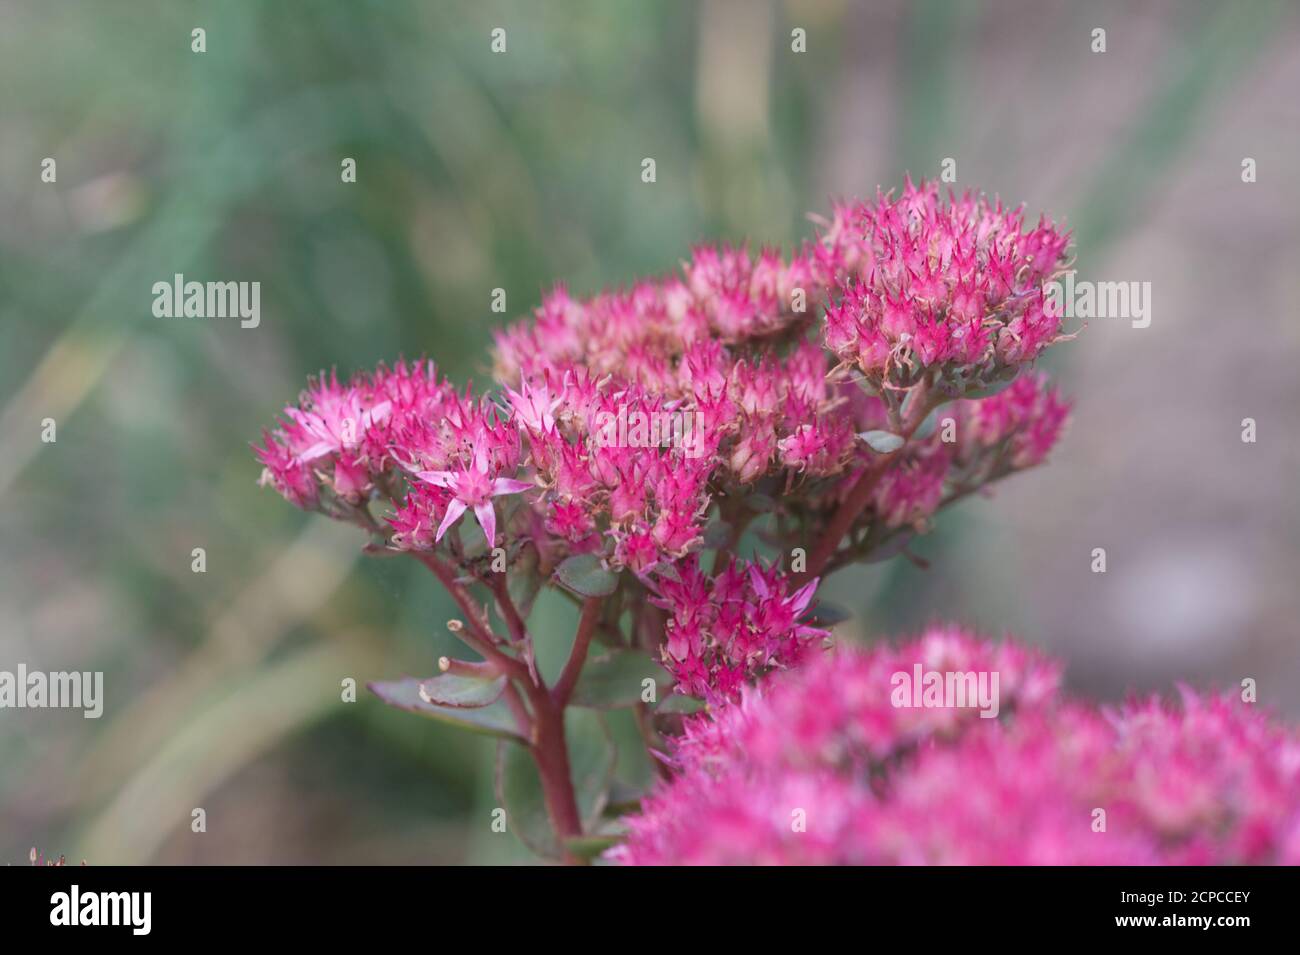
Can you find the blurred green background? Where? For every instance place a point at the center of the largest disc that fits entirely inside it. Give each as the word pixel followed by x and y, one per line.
pixel 479 170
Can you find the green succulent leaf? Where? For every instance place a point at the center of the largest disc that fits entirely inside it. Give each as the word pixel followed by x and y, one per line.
pixel 607 832
pixel 495 719
pixel 468 692
pixel 826 614
pixel 524 583
pixel 987 390
pixel 589 847
pixel 883 442
pixel 616 679
pixel 585 576
pixel 679 703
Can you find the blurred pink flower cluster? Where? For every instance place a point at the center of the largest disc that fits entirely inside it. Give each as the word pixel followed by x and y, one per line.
pixel 990 438
pixel 643 426
pixel 818 766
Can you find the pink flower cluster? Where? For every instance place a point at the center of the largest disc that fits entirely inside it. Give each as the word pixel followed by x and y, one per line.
pixel 757 413
pixel 954 285
pixel 637 502
pixel 665 333
pixel 624 424
pixel 731 627
pixel 339 437
pixel 818 766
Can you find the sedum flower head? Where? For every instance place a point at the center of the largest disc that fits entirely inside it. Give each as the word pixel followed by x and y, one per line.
pixel 729 628
pixel 954 285
pixel 624 425
pixel 818 766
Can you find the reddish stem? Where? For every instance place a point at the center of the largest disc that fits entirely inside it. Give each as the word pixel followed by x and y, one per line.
pixel 550 751
pixel 578 657
pixel 843 519
pixel 480 636
pixel 514 622
pixel 548 746
pixel 853 505
pixel 523 718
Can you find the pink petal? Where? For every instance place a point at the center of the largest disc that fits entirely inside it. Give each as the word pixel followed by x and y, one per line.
pixel 802 597
pixel 317 450
pixel 302 419
pixel 509 486
pixel 454 510
pixel 439 479
pixel 487 519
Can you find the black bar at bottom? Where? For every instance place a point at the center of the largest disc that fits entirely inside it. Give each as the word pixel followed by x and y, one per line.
pixel 405 906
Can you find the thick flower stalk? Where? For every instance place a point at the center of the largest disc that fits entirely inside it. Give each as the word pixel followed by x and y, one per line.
pixel 687 457
pixel 824 766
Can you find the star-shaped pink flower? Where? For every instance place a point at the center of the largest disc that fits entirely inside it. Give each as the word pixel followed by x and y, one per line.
pixel 473 487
